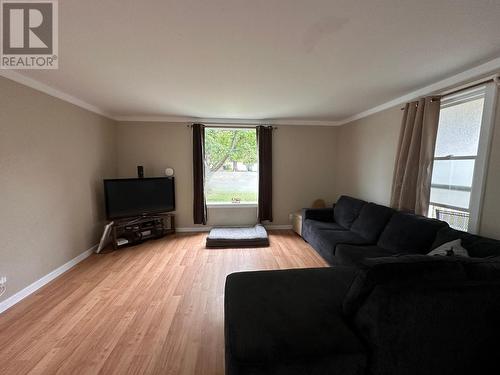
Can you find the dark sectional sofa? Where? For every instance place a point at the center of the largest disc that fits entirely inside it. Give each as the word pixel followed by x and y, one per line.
pixel 353 230
pixel 384 307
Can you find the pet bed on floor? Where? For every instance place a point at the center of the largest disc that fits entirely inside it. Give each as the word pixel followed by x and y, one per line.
pixel 238 237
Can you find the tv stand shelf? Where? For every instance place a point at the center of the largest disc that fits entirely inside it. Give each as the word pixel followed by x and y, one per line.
pixel 135 230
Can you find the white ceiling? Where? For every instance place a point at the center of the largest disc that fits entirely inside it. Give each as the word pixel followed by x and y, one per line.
pixel 264 59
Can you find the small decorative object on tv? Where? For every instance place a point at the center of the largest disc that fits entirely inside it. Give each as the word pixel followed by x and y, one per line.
pixel 131 197
pixel 169 172
pixel 140 171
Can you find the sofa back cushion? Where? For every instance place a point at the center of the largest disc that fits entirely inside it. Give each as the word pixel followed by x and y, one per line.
pixel 371 221
pixel 476 246
pixel 401 270
pixel 346 210
pixel 409 233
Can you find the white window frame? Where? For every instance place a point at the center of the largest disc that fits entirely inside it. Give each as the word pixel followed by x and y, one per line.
pixel 484 146
pixel 483 156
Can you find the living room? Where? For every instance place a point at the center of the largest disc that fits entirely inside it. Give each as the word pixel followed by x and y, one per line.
pixel 282 187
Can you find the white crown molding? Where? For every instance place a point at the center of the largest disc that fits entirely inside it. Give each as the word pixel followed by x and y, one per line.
pixel 490 67
pixel 30 289
pixel 39 86
pixel 42 87
pixel 302 122
pixel 225 121
pixel 440 87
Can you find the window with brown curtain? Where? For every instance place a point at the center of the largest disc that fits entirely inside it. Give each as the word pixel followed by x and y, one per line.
pixel 412 173
pixel 265 145
pixel 199 204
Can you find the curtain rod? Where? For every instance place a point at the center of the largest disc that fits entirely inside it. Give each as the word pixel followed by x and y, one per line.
pixel 228 126
pixel 469 87
pixel 495 79
pixel 416 105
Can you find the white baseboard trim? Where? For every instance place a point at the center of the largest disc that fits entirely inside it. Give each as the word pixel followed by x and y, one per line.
pixel 12 300
pixel 193 229
pixel 208 227
pixel 278 227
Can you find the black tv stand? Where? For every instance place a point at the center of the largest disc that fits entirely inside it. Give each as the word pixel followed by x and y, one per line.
pixel 135 230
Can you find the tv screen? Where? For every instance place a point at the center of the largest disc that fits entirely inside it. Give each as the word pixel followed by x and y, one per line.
pixel 138 196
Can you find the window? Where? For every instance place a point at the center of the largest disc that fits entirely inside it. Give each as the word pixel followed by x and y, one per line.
pixel 231 166
pixel 460 157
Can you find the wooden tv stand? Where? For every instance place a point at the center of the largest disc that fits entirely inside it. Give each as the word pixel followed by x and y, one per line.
pixel 135 230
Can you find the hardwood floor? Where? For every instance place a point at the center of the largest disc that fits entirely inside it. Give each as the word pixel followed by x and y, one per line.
pixel 156 308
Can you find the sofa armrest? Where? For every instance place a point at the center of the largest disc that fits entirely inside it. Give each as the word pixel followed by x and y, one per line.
pixel 320 214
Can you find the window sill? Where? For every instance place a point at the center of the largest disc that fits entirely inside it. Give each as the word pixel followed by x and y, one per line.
pixel 232 205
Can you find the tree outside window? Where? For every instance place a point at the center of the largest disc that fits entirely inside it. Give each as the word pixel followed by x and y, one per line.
pixel 231 166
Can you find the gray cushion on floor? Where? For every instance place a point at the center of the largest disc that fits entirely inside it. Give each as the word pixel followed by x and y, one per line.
pixel 238 237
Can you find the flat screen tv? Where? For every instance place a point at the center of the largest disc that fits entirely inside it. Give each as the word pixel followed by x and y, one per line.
pixel 130 197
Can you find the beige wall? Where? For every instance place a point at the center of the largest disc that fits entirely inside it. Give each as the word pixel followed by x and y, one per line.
pixel 367 151
pixel 53 156
pixel 366 156
pixel 304 167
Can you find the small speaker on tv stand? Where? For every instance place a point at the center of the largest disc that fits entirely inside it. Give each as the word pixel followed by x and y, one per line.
pixel 140 171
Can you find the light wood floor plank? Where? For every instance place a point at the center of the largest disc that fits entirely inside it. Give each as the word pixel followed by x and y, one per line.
pixel 156 308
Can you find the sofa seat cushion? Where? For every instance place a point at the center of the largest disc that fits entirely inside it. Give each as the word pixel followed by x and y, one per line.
pixel 354 255
pixel 288 315
pixel 476 246
pixel 410 233
pixel 371 221
pixel 346 210
pixel 311 228
pixel 401 270
pixel 326 241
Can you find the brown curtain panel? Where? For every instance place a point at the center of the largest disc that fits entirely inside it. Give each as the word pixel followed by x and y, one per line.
pixel 411 184
pixel 199 203
pixel 265 143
